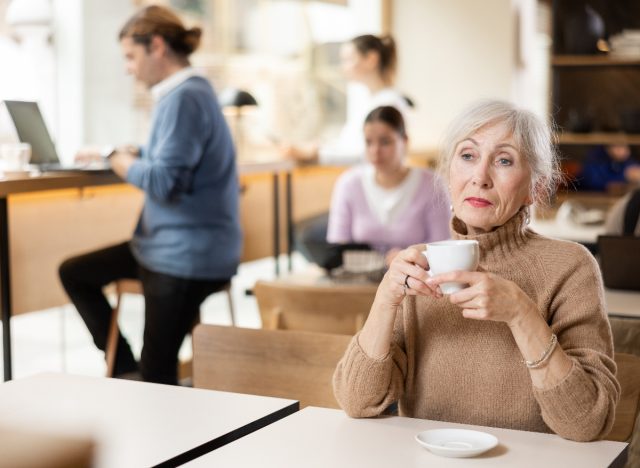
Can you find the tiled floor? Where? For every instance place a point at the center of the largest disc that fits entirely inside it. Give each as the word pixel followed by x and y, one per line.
pixel 57 340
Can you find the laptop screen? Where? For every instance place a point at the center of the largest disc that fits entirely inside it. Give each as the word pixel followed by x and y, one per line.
pixel 31 129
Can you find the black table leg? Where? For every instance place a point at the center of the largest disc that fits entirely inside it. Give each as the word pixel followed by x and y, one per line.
pixel 276 220
pixel 289 219
pixel 5 288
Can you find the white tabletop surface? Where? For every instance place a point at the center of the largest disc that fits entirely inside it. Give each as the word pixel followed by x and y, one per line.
pixel 320 437
pixel 134 424
pixel 567 230
pixel 623 303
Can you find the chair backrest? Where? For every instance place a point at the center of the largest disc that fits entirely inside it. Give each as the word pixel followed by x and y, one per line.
pixel 41 449
pixel 629 405
pixel 286 364
pixel 332 308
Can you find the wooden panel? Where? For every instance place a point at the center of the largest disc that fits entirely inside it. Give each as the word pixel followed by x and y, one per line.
pixel 312 187
pixel 285 364
pixel 627 410
pixel 256 216
pixel 598 138
pixel 311 195
pixel 47 227
pixel 591 61
pixel 329 309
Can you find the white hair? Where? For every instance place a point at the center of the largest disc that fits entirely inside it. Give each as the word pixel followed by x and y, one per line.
pixel 533 138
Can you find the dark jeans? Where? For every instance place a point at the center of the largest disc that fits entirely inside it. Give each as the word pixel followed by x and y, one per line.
pixel 171 307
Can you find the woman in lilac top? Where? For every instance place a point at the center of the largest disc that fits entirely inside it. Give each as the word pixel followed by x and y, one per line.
pixel 385 203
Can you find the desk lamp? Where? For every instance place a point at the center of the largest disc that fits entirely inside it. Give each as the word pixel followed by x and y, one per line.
pixel 237 99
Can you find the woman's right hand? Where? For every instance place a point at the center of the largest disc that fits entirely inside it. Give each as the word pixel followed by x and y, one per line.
pixel 410 266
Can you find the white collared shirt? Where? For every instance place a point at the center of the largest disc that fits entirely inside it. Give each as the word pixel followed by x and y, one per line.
pixel 158 91
pixel 387 203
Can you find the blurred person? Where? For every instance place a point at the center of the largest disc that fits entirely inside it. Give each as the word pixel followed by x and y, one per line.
pixel 187 241
pixel 385 203
pixel 527 345
pixel 624 216
pixel 607 166
pixel 370 61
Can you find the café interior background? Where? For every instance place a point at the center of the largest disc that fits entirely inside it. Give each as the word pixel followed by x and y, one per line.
pixel 65 54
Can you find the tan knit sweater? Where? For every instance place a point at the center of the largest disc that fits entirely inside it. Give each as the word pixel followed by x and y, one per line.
pixel 448 368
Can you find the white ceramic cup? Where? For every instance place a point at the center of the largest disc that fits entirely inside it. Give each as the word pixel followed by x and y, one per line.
pixel 15 156
pixel 452 255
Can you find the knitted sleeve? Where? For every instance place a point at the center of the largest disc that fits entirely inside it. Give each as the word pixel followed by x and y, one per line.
pixel 582 406
pixel 365 387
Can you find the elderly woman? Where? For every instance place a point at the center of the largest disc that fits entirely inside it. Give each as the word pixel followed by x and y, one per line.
pixel 527 345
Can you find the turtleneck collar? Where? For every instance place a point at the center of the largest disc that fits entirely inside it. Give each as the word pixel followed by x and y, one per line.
pixel 504 239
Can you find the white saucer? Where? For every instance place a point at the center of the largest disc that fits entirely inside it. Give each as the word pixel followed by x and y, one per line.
pixel 456 443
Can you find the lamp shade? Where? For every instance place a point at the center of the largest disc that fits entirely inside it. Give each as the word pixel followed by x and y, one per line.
pixel 233 97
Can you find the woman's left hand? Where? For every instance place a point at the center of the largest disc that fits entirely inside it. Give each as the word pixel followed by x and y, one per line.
pixel 488 296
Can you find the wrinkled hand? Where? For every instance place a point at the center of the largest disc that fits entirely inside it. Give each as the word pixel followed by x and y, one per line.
pixel 488 297
pixel 390 255
pixel 410 265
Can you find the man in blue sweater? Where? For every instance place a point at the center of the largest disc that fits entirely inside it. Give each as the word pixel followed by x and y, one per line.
pixel 187 242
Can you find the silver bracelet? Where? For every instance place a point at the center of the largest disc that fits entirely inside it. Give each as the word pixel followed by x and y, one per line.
pixel 539 362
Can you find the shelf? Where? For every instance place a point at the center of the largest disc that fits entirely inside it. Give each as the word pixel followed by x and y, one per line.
pixel 592 61
pixel 599 138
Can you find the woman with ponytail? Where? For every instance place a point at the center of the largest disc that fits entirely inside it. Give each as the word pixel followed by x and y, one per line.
pixel 370 61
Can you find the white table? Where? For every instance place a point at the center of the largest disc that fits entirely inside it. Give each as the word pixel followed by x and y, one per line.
pixel 622 303
pixel 135 424
pixel 319 437
pixel 567 230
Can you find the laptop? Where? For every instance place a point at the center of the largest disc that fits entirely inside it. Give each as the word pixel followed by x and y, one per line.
pixel 620 261
pixel 31 128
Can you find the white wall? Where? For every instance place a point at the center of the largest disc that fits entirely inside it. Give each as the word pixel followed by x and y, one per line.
pixel 94 95
pixel 451 53
pixel 108 105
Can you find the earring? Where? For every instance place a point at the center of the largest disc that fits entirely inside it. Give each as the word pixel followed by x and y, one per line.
pixel 527 215
pixel 451 208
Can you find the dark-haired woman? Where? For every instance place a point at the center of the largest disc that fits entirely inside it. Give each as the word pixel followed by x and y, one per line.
pixel 187 241
pixel 384 202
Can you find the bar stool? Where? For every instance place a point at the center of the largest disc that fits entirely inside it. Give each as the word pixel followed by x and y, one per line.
pixel 133 286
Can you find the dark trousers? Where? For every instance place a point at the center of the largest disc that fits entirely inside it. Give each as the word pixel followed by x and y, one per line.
pixel 171 307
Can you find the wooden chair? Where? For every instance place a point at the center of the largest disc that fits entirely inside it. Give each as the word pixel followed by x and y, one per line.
pixel 628 409
pixel 280 363
pixel 37 449
pixel 339 309
pixel 132 286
